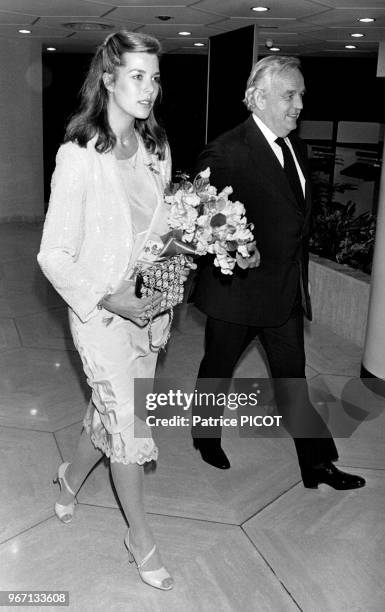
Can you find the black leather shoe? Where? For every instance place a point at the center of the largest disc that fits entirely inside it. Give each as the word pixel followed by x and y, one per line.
pixel 212 452
pixel 332 476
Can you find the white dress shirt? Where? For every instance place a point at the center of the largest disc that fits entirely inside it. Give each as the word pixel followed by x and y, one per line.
pixel 271 137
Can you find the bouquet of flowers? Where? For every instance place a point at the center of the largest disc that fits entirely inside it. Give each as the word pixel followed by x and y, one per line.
pixel 203 221
pixel 199 221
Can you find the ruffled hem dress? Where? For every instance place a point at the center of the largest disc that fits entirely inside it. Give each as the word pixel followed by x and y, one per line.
pixel 115 351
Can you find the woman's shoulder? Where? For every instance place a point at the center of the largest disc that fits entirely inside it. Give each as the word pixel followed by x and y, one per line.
pixel 72 152
pixel 152 158
pixel 165 164
pixel 165 158
pixel 71 149
pixel 167 152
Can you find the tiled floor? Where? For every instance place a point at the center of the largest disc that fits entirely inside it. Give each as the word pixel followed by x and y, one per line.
pixel 250 539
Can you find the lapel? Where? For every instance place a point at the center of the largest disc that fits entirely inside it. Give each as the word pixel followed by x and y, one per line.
pixel 269 167
pixel 154 169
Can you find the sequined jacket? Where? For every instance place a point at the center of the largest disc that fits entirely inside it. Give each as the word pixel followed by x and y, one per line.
pixel 87 238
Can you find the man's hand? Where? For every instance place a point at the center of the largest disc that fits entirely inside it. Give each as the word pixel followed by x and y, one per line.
pixel 190 265
pixel 254 259
pixel 248 262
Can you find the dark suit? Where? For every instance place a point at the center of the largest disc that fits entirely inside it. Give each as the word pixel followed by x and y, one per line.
pixel 268 301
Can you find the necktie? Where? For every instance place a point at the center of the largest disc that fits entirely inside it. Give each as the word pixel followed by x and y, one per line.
pixel 291 172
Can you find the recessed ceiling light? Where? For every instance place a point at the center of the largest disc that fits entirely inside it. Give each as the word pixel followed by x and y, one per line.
pixel 350 47
pixel 367 19
pixel 260 9
pixel 184 33
pixel 199 45
pixel 51 48
pixel 25 31
pixel 275 48
pixel 357 35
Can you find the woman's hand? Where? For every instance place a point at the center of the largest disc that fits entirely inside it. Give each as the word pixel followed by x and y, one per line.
pixel 139 310
pixel 125 304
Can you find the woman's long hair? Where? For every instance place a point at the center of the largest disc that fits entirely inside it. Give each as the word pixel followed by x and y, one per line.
pixel 91 118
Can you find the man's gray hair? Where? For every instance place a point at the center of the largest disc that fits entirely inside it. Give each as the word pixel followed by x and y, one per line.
pixel 266 69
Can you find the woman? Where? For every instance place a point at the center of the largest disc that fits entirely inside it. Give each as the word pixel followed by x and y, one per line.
pixel 108 183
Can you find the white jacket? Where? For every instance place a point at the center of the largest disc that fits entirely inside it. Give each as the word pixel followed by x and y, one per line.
pixel 87 238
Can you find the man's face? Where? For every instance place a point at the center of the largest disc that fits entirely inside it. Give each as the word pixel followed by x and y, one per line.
pixel 280 101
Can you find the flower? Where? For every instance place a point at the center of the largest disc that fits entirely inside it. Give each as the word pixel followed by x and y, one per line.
pixel 152 250
pixel 209 222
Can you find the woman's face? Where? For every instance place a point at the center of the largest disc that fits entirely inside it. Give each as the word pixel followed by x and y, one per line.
pixel 135 87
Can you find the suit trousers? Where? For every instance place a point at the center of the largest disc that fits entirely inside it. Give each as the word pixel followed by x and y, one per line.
pixel 284 347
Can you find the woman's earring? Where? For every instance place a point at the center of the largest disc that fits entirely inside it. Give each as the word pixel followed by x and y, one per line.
pixel 108 81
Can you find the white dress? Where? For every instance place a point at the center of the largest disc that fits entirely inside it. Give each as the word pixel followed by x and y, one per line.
pixel 114 351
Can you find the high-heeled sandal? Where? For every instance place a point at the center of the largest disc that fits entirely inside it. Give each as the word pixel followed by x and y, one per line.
pixel 64 513
pixel 154 578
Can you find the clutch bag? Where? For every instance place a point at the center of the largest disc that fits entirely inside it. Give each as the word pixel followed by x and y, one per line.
pixel 164 276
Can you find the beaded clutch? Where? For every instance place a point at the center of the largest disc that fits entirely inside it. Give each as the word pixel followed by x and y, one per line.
pixel 164 276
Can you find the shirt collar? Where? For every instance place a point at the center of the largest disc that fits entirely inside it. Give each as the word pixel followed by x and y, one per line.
pixel 266 131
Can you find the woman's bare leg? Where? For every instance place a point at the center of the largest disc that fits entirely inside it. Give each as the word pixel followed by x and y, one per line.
pixel 85 458
pixel 128 481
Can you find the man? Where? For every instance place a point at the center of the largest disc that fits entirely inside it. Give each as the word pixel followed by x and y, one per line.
pixel 266 166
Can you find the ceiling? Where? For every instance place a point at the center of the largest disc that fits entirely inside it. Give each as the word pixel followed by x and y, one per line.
pixel 297 27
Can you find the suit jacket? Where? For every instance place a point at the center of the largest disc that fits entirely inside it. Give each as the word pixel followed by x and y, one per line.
pixel 87 238
pixel 264 296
